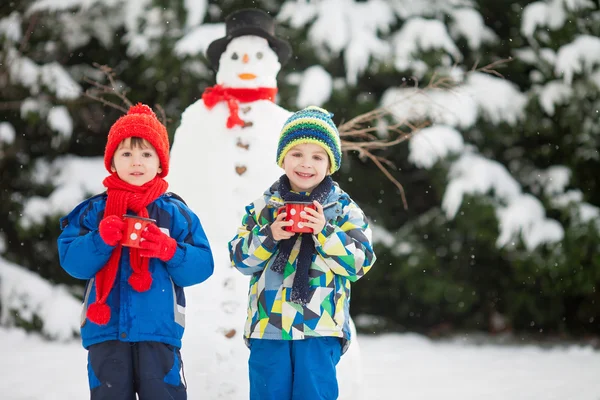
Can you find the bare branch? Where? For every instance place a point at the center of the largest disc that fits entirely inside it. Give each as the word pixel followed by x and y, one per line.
pixel 104 101
pixel 372 131
pixel 162 114
pixel 98 89
pixel 28 32
pixel 10 105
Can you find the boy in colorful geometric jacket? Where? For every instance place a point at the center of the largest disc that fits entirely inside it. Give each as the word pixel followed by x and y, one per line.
pixel 299 298
pixel 134 306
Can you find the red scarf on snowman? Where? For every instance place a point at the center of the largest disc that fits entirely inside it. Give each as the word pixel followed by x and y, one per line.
pixel 234 96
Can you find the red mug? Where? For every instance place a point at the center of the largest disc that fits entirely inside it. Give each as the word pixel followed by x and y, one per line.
pixel 293 210
pixel 133 229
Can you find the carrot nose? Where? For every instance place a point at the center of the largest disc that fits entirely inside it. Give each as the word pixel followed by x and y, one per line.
pixel 245 58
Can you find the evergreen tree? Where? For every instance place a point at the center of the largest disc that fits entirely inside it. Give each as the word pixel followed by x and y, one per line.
pixel 502 224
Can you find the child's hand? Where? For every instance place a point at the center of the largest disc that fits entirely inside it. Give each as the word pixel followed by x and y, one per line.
pixel 155 243
pixel 315 218
pixel 111 229
pixel 277 228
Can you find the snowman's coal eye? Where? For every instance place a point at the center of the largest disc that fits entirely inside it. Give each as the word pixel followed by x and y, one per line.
pixel 234 56
pixel 259 55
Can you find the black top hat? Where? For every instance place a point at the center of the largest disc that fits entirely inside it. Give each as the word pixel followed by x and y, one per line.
pixel 252 22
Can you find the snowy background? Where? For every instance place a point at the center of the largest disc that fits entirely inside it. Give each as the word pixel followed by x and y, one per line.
pixel 529 197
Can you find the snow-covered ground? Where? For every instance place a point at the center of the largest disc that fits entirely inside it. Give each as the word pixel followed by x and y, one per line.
pixel 395 366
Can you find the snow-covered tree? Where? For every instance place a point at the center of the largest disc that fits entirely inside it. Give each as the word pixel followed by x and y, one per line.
pixel 483 238
pixel 502 224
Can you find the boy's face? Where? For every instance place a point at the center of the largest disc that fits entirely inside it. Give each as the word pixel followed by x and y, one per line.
pixel 306 165
pixel 136 164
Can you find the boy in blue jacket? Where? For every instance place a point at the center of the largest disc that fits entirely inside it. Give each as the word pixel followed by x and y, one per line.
pixel 134 305
pixel 299 298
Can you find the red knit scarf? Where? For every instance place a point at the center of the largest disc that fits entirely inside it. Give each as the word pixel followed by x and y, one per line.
pixel 123 196
pixel 216 94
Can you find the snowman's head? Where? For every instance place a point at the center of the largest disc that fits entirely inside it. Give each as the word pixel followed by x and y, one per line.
pixel 248 62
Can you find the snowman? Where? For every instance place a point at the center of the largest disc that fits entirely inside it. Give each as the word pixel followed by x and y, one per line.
pixel 222 159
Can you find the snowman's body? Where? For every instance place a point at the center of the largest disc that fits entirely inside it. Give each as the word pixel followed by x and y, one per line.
pixel 218 171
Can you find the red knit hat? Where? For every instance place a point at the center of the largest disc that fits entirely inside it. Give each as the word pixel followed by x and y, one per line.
pixel 141 122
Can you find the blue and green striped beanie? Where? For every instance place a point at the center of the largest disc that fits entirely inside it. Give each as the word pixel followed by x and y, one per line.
pixel 311 125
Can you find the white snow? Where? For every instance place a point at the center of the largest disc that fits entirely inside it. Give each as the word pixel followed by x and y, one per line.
pixel 315 87
pixel 30 295
pixel 554 93
pixel 60 121
pixel 74 178
pixel 579 56
pixel 582 212
pixel 469 23
pixel 10 27
pixel 59 5
pixel 505 105
pixel 541 14
pixel 554 179
pixel 52 75
pixel 395 366
pixel 420 35
pixel 30 105
pixel 453 108
pixel 519 215
pixel 434 143
pixel 382 235
pixel 55 78
pixel 7 133
pixel 551 14
pixel 198 39
pixel 524 217
pixel 589 212
pixel 475 174
pixel 196 10
pixel 344 25
pixel 409 8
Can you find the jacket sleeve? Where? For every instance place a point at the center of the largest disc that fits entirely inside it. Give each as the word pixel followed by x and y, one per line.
pixel 193 260
pixel 345 245
pixel 254 245
pixel 81 250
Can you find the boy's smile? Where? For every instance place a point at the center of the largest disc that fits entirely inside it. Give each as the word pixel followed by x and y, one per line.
pixel 306 165
pixel 136 161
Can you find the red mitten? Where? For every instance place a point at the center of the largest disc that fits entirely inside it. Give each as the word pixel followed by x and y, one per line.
pixel 111 229
pixel 155 243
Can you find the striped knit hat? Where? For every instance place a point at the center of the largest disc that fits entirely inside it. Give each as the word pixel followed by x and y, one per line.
pixel 311 125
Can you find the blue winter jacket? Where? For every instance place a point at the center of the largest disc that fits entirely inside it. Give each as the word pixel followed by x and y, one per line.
pixel 157 314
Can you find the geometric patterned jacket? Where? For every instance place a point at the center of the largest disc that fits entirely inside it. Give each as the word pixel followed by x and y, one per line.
pixel 344 253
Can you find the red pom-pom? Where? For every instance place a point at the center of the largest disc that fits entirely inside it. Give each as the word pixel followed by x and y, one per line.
pixel 98 313
pixel 140 281
pixel 140 108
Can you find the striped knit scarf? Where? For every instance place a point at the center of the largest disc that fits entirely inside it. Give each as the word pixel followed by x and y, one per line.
pixel 300 287
pixel 122 197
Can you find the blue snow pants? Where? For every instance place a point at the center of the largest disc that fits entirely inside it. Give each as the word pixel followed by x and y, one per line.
pixel 294 369
pixel 118 370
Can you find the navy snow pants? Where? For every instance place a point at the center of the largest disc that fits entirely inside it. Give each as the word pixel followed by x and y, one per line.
pixel 118 370
pixel 294 369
